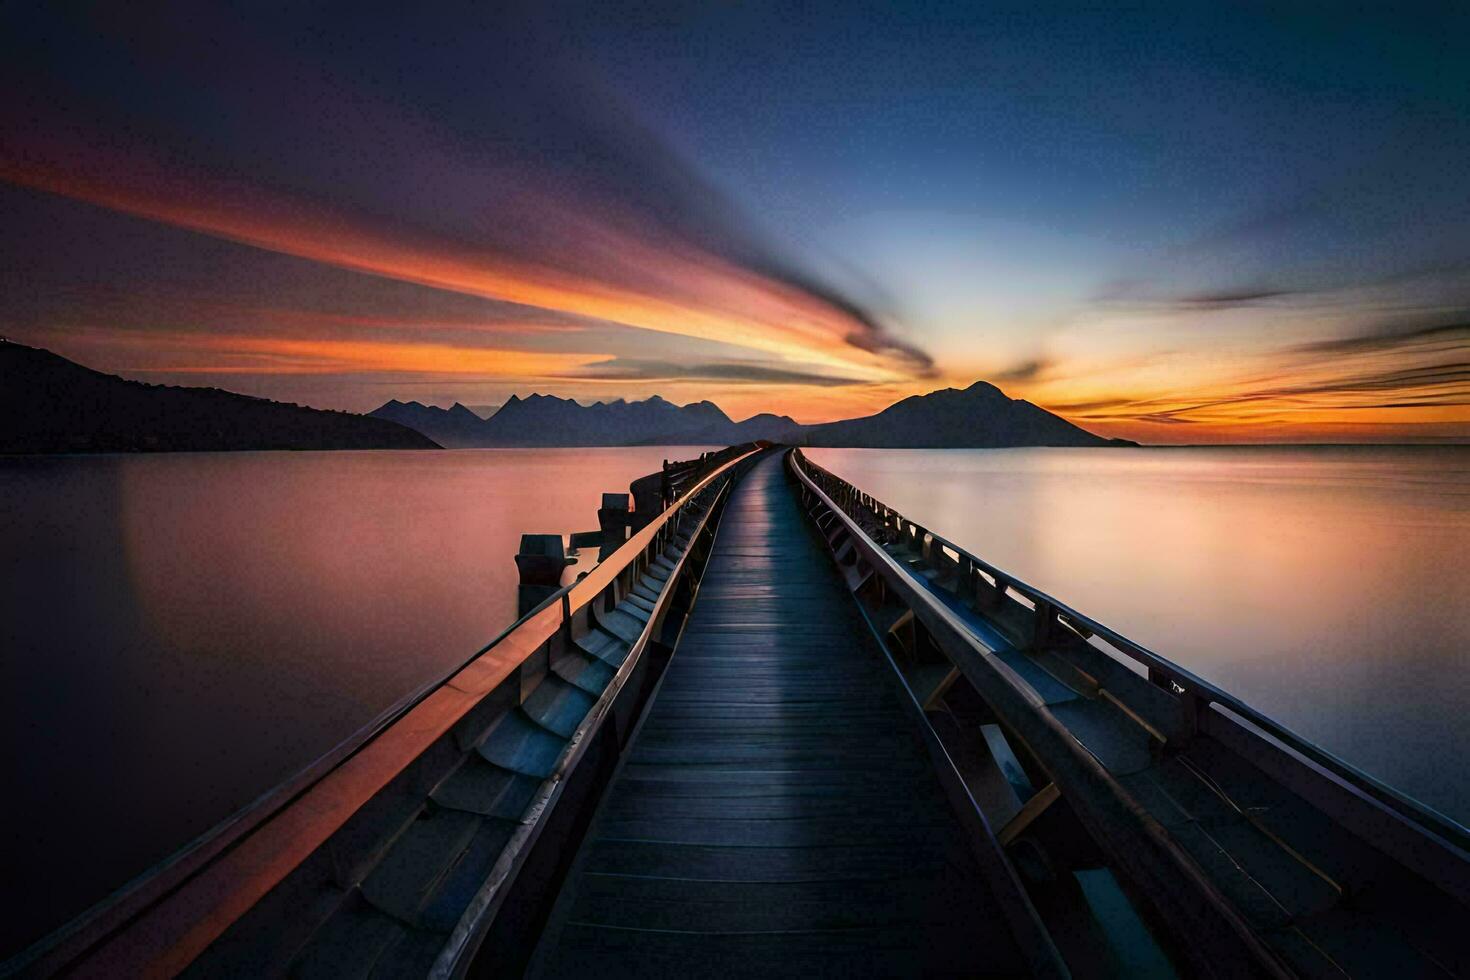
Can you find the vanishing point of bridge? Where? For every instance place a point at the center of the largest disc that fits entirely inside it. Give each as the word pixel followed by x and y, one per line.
pixel 775 808
pixel 782 730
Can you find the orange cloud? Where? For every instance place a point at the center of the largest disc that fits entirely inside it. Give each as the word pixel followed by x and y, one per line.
pixel 1371 387
pixel 1414 384
pixel 233 354
pixel 718 300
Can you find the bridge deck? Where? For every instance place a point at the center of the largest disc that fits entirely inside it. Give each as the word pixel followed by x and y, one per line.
pixel 777 811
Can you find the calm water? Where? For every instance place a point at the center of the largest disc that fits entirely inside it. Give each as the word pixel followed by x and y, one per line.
pixel 182 632
pixel 1327 587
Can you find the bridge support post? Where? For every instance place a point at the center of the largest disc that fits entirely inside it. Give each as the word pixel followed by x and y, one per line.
pixel 648 498
pixel 614 520
pixel 541 561
pixel 1043 626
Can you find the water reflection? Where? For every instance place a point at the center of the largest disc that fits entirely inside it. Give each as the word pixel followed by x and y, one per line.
pixel 1328 587
pixel 182 632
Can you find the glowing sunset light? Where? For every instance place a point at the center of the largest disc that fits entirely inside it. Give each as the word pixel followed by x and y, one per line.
pixel 1148 240
pixel 217 354
pixel 750 312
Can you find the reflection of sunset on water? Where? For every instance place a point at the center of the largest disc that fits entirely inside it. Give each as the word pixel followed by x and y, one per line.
pixel 1250 566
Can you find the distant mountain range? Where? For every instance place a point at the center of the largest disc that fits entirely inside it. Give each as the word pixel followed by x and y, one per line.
pixel 976 417
pixel 546 420
pixel 49 404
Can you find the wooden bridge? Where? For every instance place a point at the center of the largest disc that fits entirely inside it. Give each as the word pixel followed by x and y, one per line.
pixel 775 808
pixel 785 731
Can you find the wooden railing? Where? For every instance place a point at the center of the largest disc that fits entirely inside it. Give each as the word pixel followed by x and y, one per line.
pixel 972 577
pixel 926 598
pixel 159 923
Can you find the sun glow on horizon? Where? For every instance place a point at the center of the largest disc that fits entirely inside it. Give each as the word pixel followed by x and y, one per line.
pixel 751 341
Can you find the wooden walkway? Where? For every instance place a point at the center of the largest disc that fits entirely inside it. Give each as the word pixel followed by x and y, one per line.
pixel 777 812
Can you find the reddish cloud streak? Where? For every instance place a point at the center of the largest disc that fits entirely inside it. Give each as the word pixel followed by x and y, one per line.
pixel 721 301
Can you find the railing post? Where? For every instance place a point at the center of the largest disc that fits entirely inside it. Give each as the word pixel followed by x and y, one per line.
pixel 1045 621
pixel 1189 701
pixel 541 561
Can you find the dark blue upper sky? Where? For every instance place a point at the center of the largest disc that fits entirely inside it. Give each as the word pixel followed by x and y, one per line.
pixel 1294 150
pixel 1136 215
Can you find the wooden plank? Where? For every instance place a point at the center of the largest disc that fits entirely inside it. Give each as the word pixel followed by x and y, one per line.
pixel 1030 810
pixel 775 800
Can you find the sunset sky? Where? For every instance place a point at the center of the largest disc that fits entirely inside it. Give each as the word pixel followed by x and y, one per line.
pixel 1169 223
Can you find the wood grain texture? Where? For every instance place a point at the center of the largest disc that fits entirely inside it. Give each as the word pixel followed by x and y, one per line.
pixel 776 814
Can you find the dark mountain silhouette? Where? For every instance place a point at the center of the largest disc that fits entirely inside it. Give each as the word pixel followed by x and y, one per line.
pixel 453 428
pixel 773 428
pixel 979 416
pixel 49 404
pixel 546 420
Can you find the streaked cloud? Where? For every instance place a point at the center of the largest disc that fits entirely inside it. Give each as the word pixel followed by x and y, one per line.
pixel 560 199
pixel 461 203
pixel 635 369
pixel 1023 371
pixel 195 353
pixel 1444 337
pixel 1159 362
pixel 746 309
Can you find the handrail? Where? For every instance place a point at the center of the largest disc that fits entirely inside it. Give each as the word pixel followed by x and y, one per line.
pixel 1177 888
pixel 169 872
pixel 165 918
pixel 1184 682
pixel 455 959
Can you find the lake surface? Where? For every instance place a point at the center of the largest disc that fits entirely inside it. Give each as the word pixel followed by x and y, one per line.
pixel 182 632
pixel 1327 587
